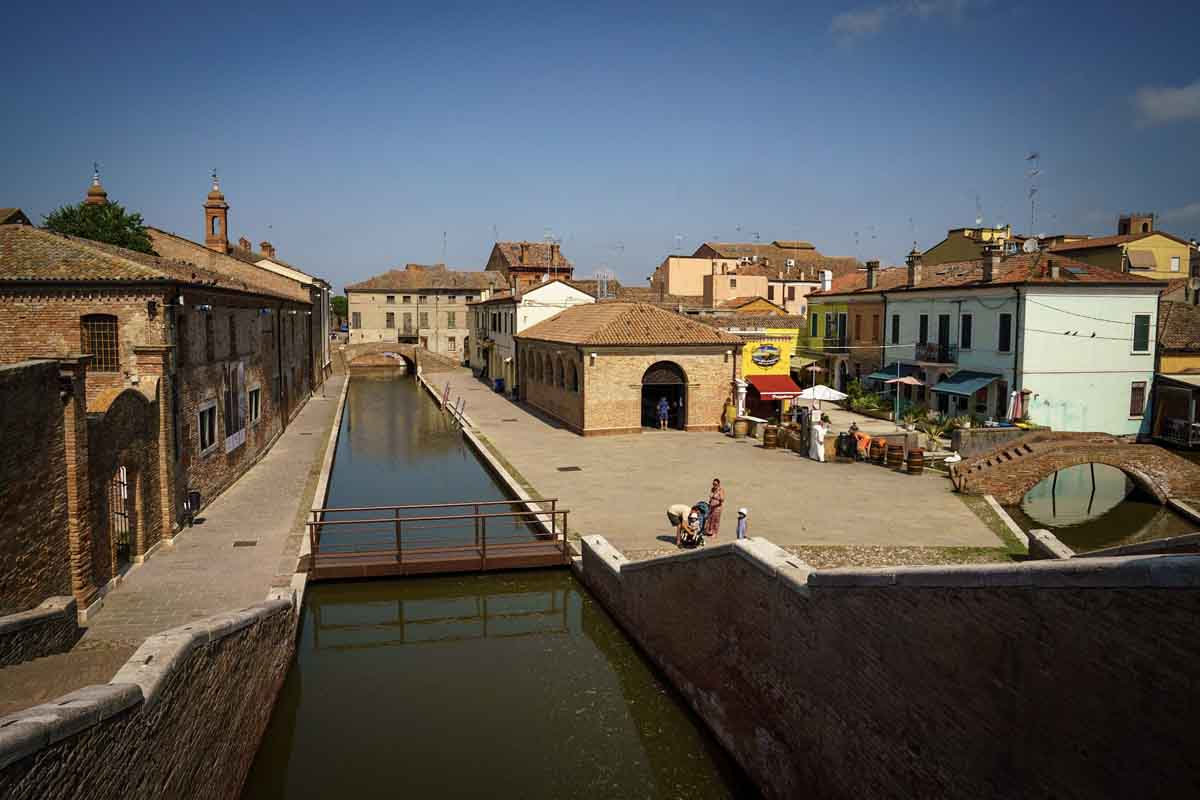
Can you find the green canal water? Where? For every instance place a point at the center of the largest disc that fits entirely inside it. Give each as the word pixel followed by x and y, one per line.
pixel 1093 506
pixel 501 685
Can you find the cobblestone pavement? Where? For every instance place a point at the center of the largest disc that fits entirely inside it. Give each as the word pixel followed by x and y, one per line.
pixel 203 573
pixel 625 483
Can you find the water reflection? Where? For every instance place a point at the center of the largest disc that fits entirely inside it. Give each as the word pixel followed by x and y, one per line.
pixel 514 685
pixel 1092 506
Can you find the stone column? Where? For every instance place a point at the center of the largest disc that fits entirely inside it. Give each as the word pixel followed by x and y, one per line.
pixel 73 378
pixel 154 361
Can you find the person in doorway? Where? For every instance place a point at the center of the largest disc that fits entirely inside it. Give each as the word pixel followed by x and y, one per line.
pixel 741 523
pixel 816 447
pixel 716 501
pixel 664 412
pixel 728 416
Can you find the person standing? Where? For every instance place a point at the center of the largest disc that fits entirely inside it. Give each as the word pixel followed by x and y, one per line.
pixel 741 523
pixel 816 447
pixel 716 501
pixel 664 412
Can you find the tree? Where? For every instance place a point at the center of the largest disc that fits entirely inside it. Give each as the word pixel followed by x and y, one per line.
pixel 102 222
pixel 340 306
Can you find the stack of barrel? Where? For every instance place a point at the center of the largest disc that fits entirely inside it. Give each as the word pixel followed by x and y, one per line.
pixel 771 436
pixel 895 456
pixel 876 451
pixel 916 461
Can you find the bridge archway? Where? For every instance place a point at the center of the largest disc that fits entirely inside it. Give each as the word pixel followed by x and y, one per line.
pixel 1140 478
pixel 381 354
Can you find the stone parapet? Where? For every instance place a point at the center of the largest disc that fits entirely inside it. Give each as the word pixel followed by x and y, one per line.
pixel 52 627
pixel 960 681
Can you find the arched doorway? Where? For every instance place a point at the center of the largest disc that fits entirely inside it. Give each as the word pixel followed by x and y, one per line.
pixel 843 375
pixel 664 379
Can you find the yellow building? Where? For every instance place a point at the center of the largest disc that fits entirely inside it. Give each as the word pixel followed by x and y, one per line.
pixel 1141 249
pixel 1177 379
pixel 771 342
pixel 966 244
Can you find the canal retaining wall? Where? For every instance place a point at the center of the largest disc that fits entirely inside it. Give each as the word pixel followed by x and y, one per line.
pixel 182 718
pixel 1068 679
pixel 52 627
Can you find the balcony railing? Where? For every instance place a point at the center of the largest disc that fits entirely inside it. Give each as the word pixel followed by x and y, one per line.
pixel 937 353
pixel 1180 432
pixel 835 344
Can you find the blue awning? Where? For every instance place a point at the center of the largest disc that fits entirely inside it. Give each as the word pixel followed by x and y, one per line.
pixel 965 383
pixel 889 372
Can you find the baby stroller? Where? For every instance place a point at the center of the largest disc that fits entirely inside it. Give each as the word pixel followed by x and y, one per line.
pixel 690 523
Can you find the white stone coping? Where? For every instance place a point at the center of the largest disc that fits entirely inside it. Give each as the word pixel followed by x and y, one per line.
pixel 322 491
pixel 1044 544
pixel 140 680
pixel 1012 526
pixel 49 610
pixel 1146 571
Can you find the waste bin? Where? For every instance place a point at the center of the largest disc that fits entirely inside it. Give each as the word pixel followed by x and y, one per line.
pixel 498 385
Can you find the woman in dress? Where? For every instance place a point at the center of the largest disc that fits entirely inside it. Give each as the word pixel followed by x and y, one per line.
pixel 716 500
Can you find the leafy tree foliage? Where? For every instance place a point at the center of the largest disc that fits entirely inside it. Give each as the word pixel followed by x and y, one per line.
pixel 339 305
pixel 107 222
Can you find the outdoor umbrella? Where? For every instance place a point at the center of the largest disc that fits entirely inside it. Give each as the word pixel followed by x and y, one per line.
pixel 822 392
pixel 907 380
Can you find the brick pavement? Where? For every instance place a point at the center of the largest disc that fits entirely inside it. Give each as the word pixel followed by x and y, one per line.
pixel 625 483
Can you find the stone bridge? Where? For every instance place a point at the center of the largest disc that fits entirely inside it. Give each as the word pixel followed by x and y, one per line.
pixel 1009 471
pixel 367 354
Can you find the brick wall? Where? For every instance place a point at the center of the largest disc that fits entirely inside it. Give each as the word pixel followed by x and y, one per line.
pixel 34 551
pixel 610 400
pixel 52 627
pixel 182 718
pixel 1045 679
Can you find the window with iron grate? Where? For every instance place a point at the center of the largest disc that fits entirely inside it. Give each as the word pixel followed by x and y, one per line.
pixel 99 335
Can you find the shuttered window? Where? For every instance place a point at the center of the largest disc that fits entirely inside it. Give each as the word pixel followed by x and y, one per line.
pixel 1137 398
pixel 1141 333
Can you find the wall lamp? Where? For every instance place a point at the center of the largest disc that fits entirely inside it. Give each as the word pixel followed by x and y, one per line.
pixel 204 307
pixel 593 357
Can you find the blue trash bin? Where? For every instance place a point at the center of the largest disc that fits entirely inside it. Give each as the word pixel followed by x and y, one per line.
pixel 498 385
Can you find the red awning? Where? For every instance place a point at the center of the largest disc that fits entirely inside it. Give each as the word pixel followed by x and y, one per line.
pixel 774 387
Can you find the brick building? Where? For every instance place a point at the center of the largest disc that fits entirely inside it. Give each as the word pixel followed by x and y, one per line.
pixel 524 265
pixel 222 351
pixel 602 368
pixel 424 305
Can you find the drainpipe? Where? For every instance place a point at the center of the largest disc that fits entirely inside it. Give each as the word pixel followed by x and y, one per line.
pixel 1017 348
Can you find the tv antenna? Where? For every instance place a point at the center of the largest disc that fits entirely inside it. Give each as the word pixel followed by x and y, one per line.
pixel 978 212
pixel 1032 174
pixel 603 276
pixel 1031 245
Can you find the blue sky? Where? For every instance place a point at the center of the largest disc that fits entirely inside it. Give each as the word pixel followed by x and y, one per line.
pixel 359 136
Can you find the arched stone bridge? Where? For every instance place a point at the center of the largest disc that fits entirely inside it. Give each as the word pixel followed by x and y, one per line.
pixel 1008 472
pixel 368 354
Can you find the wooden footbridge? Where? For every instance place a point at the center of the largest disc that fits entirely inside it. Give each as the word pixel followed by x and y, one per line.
pixel 475 536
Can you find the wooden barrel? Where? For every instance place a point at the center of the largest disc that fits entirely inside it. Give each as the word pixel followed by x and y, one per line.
pixel 916 461
pixel 895 456
pixel 740 428
pixel 876 451
pixel 771 436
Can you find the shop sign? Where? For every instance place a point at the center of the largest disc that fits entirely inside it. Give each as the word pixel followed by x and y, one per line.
pixel 765 355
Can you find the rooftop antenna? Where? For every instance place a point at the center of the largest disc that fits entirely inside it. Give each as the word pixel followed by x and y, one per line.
pixel 679 243
pixel 547 235
pixel 603 276
pixel 1032 174
pixel 443 247
pixel 978 212
pixel 495 233
pixel 755 235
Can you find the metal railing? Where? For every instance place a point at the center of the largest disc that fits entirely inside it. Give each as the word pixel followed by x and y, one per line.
pixel 835 344
pixel 1180 431
pixel 395 534
pixel 934 353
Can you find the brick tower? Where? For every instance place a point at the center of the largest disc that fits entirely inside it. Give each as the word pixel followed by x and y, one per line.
pixel 216 219
pixel 96 196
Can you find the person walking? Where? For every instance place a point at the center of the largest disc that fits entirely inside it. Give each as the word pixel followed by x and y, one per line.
pixel 664 412
pixel 716 501
pixel 741 524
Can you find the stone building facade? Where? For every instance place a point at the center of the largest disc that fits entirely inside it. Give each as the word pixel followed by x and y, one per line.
pixel 602 369
pixel 422 305
pixel 223 350
pixel 524 265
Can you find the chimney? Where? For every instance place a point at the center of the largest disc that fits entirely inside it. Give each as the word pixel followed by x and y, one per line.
pixel 872 274
pixel 826 280
pixel 267 249
pixel 553 254
pixel 244 243
pixel 991 262
pixel 1055 269
pixel 914 267
pixel 524 252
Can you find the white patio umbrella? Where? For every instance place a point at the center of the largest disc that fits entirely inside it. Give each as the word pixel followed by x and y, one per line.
pixel 822 392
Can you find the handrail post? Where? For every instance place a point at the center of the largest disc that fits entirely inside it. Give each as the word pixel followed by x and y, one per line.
pixel 312 547
pixel 477 524
pixel 483 562
pixel 553 518
pixel 566 552
pixel 399 549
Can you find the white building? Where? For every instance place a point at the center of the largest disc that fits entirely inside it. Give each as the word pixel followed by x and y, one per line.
pixel 496 320
pixel 1076 341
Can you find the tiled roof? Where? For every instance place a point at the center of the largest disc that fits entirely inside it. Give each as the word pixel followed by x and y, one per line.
pixel 625 324
pixel 650 294
pixel 13 216
pixel 30 254
pixel 537 254
pixel 753 321
pixel 234 272
pixel 1109 241
pixel 1021 269
pixel 592 286
pixel 415 277
pixel 1179 326
pixel 809 261
pixel 738 302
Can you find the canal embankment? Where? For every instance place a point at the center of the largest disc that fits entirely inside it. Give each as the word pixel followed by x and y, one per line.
pixel 1047 678
pixel 193 681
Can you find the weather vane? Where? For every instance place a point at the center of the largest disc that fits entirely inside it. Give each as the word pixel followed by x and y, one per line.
pixel 216 183
pixel 96 173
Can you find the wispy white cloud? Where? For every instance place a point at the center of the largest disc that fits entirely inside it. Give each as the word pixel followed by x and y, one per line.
pixel 868 21
pixel 1158 105
pixel 1189 214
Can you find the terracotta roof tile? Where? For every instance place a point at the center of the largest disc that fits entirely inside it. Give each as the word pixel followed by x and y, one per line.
pixel 1109 241
pixel 1179 326
pixel 13 216
pixel 415 277
pixel 537 254
pixel 625 324
pixel 236 273
pixel 752 321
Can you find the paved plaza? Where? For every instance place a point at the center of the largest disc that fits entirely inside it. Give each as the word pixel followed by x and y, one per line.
pixel 620 486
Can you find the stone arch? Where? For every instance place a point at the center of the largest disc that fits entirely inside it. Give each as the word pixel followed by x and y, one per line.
pixel 664 380
pixel 572 377
pixel 1064 460
pixel 559 377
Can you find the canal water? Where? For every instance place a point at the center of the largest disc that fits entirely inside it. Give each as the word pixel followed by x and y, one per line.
pixel 500 685
pixel 1093 506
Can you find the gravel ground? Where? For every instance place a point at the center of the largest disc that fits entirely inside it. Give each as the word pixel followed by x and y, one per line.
pixel 825 557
